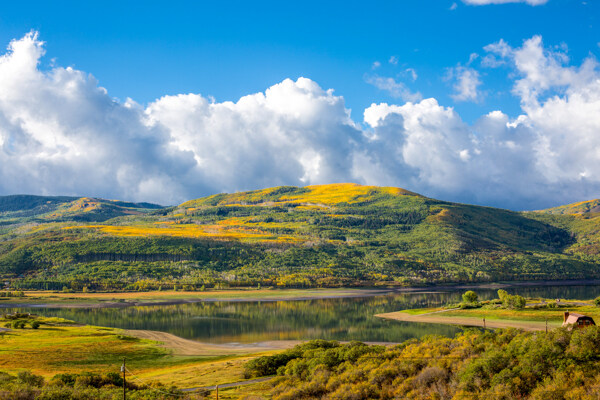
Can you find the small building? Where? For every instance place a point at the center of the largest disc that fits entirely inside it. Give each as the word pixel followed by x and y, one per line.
pixel 574 320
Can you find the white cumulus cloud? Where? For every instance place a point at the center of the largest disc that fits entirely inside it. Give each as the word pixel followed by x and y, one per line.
pixel 486 2
pixel 466 83
pixel 394 88
pixel 61 133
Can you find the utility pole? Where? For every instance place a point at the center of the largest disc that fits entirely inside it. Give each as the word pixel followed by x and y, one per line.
pixel 484 323
pixel 123 370
pixel 546 324
pixel 217 392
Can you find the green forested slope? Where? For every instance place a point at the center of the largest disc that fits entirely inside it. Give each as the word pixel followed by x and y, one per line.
pixel 326 235
pixel 496 364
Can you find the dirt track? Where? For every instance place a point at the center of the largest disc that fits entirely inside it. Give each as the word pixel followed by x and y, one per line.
pixel 439 318
pixel 187 347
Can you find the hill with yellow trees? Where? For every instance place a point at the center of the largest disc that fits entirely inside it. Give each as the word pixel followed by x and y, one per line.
pixel 326 235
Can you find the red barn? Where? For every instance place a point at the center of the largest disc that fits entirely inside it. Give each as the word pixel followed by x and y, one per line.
pixel 573 320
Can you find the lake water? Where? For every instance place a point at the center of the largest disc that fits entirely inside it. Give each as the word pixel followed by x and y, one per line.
pixel 338 319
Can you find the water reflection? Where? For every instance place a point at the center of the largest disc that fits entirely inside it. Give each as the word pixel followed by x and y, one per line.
pixel 339 319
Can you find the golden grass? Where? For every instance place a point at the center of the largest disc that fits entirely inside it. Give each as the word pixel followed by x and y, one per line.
pixel 258 391
pixel 203 373
pixel 52 350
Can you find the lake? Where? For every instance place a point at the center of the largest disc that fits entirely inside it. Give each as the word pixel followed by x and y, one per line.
pixel 333 319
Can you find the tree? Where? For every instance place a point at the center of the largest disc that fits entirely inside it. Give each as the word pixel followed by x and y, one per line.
pixel 519 301
pixel 470 297
pixel 502 294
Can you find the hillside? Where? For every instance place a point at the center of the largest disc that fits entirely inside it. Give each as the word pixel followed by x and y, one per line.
pixel 582 220
pixel 19 209
pixel 327 235
pixel 589 208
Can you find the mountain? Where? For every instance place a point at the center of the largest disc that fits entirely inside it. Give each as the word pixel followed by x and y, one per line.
pixel 26 208
pixel 326 235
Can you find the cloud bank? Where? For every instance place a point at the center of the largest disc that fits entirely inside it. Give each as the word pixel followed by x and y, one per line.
pixel 60 133
pixel 486 2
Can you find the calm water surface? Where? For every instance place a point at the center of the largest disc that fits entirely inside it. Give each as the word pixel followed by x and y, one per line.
pixel 339 319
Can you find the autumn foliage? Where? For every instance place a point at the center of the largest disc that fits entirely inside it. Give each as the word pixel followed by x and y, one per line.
pixel 503 364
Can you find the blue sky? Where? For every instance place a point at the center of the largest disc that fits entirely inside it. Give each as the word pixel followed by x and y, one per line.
pixel 376 52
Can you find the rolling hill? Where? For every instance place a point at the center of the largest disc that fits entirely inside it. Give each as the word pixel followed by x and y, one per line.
pixel 19 209
pixel 327 235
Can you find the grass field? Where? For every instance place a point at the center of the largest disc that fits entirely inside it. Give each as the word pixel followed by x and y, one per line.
pixel 58 347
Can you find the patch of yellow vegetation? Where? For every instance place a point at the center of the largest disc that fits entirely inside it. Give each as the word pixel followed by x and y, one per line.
pixel 317 196
pixel 581 207
pixel 311 207
pixel 343 193
pixel 233 221
pixel 239 232
pixel 444 215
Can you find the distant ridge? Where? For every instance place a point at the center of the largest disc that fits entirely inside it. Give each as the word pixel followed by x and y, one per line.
pixel 582 207
pixel 59 208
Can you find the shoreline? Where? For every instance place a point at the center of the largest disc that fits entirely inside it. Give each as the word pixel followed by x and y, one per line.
pixel 469 321
pixel 101 303
pixel 142 299
pixel 189 347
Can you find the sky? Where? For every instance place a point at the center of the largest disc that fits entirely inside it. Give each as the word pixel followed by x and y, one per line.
pixel 490 102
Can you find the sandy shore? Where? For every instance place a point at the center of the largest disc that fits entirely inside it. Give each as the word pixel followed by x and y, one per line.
pixel 439 318
pixel 187 347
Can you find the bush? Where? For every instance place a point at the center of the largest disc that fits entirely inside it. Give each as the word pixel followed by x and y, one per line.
pixel 19 324
pixel 512 301
pixel 64 380
pixel 597 301
pixel 470 297
pixel 30 379
pixel 267 365
pixel 35 324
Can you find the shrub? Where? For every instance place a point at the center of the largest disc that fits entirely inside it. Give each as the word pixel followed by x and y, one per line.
pixel 470 297
pixel 512 301
pixel 30 379
pixel 64 380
